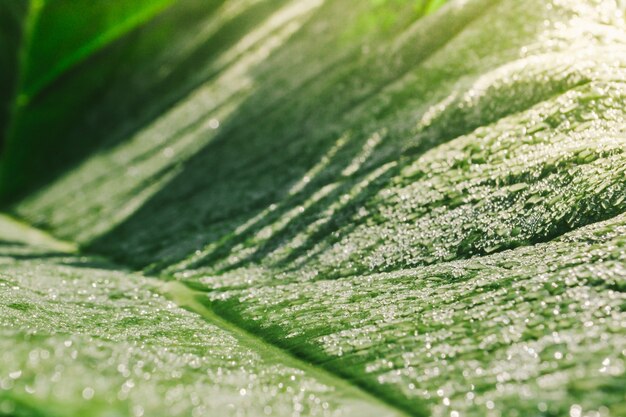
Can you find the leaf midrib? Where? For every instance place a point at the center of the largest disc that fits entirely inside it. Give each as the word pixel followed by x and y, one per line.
pixel 189 299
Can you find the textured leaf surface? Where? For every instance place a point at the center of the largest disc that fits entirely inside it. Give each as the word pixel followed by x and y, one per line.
pixel 81 337
pixel 432 209
pixel 535 331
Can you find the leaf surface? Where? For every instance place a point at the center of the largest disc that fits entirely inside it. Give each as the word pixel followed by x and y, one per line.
pixel 82 336
pixel 432 210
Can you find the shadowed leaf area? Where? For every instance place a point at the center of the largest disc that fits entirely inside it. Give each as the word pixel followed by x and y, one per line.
pixel 309 207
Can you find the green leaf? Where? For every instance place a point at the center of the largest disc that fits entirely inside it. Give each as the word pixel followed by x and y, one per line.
pixel 429 210
pixel 12 16
pixel 81 336
pixel 44 40
pixel 63 34
pixel 71 53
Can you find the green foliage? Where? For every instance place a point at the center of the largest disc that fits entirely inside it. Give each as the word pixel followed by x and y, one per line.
pixel 407 216
pixel 81 337
pixel 53 37
pixel 12 15
pixel 64 33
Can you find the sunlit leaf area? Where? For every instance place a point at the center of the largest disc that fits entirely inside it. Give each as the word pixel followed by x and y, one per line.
pixel 368 208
